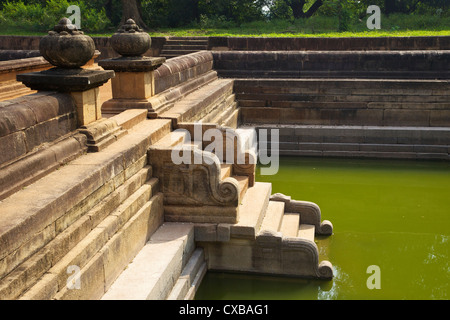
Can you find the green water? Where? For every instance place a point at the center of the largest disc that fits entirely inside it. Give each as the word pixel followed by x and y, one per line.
pixel 392 214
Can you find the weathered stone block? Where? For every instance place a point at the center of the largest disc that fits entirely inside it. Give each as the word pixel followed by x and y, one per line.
pixel 406 117
pixel 133 85
pixel 88 106
pixel 12 146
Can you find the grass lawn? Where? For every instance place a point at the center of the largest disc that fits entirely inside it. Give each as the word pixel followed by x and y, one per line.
pixel 229 33
pixel 392 26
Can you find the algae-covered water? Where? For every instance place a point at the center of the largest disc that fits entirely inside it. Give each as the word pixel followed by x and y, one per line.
pixel 391 214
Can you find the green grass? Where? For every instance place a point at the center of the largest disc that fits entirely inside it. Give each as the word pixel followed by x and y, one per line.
pixel 395 25
pixel 228 33
pixel 317 26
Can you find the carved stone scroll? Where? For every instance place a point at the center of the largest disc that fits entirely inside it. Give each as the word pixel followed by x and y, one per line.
pixel 309 213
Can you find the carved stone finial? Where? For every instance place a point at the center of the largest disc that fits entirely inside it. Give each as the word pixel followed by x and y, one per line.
pixel 130 26
pixel 66 46
pixel 130 40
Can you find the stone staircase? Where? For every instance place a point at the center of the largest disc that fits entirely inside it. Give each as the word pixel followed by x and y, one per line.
pixel 271 238
pixel 367 118
pixel 168 267
pixel 360 141
pixel 178 46
pixel 189 90
pixel 214 103
pixel 261 233
pixel 70 234
pixel 271 234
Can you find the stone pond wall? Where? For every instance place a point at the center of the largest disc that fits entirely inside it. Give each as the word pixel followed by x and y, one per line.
pixel 358 103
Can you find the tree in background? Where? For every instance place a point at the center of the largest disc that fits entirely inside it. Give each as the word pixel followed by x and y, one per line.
pixel 107 15
pixel 41 16
pixel 298 7
pixel 131 9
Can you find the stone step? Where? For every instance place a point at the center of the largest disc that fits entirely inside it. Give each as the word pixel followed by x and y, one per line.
pixel 375 147
pixel 170 56
pixel 193 145
pixel 306 231
pixel 190 277
pixel 181 46
pixel 225 171
pixel 129 118
pixel 104 252
pixel 290 224
pixel 366 154
pixel 13 89
pixel 251 211
pixel 179 51
pixel 200 102
pixel 410 136
pixel 76 226
pixel 226 116
pixel 274 217
pixel 176 53
pixel 197 282
pixel 165 99
pixel 221 111
pixel 243 185
pixel 173 139
pixel 153 272
pixel 382 87
pixel 34 216
pixel 232 120
pixel 187 41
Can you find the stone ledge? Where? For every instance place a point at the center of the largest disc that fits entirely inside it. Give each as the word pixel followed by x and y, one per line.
pixel 132 64
pixel 38 164
pixel 153 272
pixel 62 80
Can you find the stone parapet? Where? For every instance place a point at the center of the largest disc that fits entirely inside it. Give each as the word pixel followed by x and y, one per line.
pixel 181 69
pixel 29 122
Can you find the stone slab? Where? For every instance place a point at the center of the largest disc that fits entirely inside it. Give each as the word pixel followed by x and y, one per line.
pixel 151 273
pixel 132 64
pixel 62 80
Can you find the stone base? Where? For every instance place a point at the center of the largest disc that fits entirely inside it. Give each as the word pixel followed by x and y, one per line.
pixel 65 80
pixel 132 64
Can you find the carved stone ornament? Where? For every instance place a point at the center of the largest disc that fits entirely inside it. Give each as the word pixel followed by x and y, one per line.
pixel 66 46
pixel 130 40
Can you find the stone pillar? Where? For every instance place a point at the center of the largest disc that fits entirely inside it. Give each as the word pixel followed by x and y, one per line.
pixel 134 81
pixel 68 49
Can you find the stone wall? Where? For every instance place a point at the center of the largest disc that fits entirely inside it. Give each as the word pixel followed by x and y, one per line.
pixel 347 104
pixel 37 134
pixel 329 44
pixel 364 102
pixel 263 44
pixel 18 54
pixel 333 64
